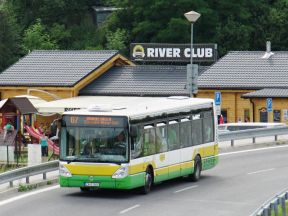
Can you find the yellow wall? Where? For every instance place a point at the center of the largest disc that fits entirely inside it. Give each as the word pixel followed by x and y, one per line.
pixel 7 92
pixel 232 102
pixel 235 105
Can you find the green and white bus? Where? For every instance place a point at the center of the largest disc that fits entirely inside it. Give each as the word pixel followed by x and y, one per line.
pixel 160 139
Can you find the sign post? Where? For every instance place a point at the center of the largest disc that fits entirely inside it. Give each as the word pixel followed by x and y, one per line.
pixel 218 100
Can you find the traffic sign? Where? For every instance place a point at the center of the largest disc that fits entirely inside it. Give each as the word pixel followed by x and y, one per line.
pixel 217 98
pixel 269 105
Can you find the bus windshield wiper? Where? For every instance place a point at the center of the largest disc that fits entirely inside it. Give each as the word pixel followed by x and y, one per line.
pixel 74 158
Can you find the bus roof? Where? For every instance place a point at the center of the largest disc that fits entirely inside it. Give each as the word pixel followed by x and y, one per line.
pixel 141 107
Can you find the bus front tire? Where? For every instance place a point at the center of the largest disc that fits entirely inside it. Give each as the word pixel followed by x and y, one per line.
pixel 148 182
pixel 195 176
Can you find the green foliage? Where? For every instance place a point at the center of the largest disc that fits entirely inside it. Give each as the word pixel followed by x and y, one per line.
pixel 116 40
pixel 9 39
pixel 26 187
pixel 69 24
pixel 37 37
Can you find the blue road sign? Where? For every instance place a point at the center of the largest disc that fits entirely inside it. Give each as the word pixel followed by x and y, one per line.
pixel 269 104
pixel 217 98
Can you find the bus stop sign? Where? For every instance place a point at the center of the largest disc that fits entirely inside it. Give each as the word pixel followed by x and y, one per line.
pixel 217 98
pixel 269 104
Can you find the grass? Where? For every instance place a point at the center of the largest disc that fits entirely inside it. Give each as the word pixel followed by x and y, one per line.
pixel 280 210
pixel 26 187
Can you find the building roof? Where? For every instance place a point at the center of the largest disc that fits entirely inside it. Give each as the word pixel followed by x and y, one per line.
pixel 247 70
pixel 267 93
pixel 61 68
pixel 22 104
pixel 141 80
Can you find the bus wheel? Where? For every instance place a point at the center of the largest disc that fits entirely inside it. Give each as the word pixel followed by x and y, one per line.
pixel 148 182
pixel 197 170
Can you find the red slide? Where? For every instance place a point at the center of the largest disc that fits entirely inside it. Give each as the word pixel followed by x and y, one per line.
pixel 35 134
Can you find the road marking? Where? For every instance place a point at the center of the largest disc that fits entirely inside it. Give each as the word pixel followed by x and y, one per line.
pixel 187 188
pixel 253 150
pixel 129 209
pixel 13 199
pixel 260 171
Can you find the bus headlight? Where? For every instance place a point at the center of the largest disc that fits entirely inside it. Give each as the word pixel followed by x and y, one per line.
pixel 63 171
pixel 122 172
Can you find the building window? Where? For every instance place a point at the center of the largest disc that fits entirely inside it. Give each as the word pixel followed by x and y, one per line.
pixel 247 115
pixel 263 115
pixel 277 115
pixel 224 114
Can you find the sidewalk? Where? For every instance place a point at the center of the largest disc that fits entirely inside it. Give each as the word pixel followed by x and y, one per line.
pixel 34 181
pixel 225 146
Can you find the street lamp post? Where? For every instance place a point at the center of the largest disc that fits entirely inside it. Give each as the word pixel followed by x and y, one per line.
pixel 192 17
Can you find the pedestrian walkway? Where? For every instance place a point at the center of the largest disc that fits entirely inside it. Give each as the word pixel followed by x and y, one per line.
pixel 37 181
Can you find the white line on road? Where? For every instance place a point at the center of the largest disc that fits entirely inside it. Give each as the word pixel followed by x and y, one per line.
pixel 187 188
pixel 260 171
pixel 129 209
pixel 13 199
pixel 253 150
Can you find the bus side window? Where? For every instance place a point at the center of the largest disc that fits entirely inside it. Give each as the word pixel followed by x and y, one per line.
pixel 185 132
pixel 208 129
pixel 137 143
pixel 149 141
pixel 197 129
pixel 161 138
pixel 173 135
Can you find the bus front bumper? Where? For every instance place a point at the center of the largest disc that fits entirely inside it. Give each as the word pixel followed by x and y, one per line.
pixel 105 182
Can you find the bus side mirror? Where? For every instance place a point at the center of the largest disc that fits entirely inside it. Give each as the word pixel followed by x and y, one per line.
pixel 133 131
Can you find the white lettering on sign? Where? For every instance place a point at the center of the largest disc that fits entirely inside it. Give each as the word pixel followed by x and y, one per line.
pixel 199 53
pixel 187 52
pixel 208 52
pixel 150 52
pixel 163 52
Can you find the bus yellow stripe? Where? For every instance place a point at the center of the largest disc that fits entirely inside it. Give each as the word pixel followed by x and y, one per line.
pixel 162 171
pixel 93 169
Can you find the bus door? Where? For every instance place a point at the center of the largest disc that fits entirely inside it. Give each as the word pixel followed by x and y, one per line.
pixel 174 151
pixel 161 159
pixel 186 146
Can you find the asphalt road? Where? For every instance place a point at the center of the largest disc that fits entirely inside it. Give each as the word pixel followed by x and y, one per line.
pixel 237 186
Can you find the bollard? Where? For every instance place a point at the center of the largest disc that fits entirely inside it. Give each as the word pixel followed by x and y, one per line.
pixel 44 176
pixel 11 184
pixel 27 180
pixel 232 143
pixel 254 140
pixel 276 137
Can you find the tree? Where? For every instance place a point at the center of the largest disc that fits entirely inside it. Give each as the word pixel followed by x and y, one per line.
pixel 9 39
pixel 36 37
pixel 117 40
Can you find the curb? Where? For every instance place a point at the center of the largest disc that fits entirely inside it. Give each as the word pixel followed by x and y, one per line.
pixel 34 186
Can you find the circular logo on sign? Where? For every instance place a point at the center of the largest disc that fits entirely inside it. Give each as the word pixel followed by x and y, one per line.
pixel 138 52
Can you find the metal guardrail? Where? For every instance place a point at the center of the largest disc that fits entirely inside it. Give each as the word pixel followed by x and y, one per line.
pixel 252 133
pixel 27 172
pixel 274 206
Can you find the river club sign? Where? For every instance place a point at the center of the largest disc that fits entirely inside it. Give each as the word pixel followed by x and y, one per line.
pixel 173 52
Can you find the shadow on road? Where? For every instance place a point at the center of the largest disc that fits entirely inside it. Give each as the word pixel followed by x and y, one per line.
pixel 164 187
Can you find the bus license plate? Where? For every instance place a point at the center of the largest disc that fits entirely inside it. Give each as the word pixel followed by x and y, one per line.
pixel 91 184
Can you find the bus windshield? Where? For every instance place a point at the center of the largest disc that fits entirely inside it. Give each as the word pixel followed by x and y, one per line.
pixel 94 143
